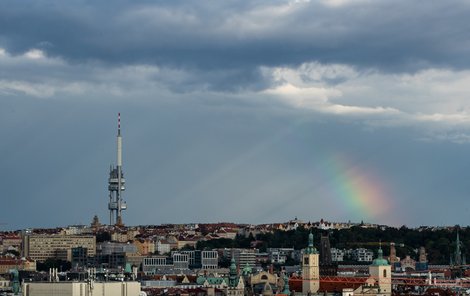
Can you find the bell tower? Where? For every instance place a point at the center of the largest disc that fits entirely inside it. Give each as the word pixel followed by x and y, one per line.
pixel 310 269
pixel 381 272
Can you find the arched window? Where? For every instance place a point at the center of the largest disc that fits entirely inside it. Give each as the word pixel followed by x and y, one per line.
pixel 385 273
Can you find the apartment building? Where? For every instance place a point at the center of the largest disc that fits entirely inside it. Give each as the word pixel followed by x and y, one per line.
pixel 41 247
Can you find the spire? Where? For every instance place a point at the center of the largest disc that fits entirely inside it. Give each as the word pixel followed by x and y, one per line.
pixel 233 275
pixel 233 265
pixel 380 261
pixel 119 143
pixel 286 284
pixel 380 253
pixel 119 124
pixel 310 249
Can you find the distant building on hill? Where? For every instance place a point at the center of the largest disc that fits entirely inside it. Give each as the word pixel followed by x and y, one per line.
pixel 41 247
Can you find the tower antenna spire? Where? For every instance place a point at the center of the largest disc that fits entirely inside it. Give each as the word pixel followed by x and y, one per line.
pixel 119 123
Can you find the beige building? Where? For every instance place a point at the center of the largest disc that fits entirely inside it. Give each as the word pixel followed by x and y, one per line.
pixel 185 242
pixel 41 247
pixel 81 289
pixel 11 241
pixel 145 247
pixel 162 247
pixel 124 237
pixel 5 285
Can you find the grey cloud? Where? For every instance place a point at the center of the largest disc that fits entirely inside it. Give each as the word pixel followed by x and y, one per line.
pixel 389 35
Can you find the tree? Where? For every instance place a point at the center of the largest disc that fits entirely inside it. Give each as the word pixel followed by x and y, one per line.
pixel 103 236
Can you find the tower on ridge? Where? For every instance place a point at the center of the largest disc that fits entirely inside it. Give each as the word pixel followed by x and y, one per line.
pixel 116 184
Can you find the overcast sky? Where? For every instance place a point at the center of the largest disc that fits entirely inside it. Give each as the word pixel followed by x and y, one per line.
pixel 245 111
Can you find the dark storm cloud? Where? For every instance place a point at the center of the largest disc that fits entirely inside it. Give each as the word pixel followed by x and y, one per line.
pixel 390 35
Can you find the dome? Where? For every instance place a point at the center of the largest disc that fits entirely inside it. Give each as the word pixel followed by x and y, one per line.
pixel 380 261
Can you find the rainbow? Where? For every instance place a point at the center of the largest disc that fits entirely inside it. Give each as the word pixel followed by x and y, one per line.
pixel 357 193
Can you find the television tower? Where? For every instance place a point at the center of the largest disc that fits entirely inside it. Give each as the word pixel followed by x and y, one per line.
pixel 116 184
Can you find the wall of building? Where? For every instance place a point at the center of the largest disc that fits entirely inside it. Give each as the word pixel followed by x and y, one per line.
pixel 42 247
pixel 82 289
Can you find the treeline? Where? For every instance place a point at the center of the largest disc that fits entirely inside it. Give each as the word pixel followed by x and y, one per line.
pixel 440 244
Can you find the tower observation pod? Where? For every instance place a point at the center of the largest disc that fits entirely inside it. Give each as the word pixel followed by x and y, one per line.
pixel 116 184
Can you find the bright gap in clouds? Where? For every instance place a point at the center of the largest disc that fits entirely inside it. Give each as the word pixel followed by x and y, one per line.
pixel 433 95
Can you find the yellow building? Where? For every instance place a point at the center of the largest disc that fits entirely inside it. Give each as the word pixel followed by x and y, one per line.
pixel 41 247
pixel 145 246
pixel 124 236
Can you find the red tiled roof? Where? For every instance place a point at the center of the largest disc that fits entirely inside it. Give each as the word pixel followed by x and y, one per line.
pixel 329 284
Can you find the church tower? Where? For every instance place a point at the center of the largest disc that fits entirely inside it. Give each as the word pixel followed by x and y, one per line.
pixel 381 272
pixel 236 285
pixel 310 269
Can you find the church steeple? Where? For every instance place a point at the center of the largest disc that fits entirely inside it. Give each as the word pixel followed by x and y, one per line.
pixel 310 268
pixel 233 275
pixel 380 261
pixel 380 271
pixel 310 249
pixel 286 284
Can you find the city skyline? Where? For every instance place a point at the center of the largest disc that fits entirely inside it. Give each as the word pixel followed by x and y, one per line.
pixel 247 112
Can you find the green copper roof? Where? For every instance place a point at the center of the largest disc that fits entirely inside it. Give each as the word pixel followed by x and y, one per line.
pixel 233 265
pixel 233 274
pixel 247 269
pixel 310 249
pixel 200 280
pixel 211 280
pixel 380 261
